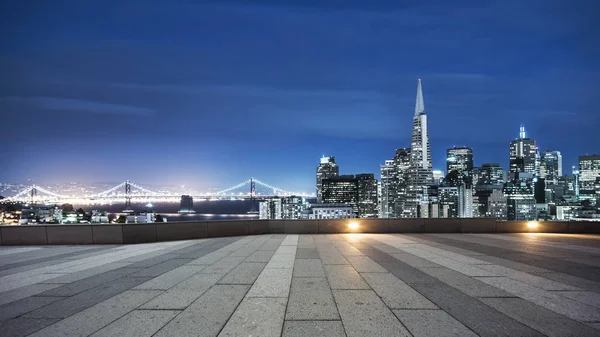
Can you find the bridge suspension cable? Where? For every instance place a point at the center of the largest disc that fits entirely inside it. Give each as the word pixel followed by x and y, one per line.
pixel 233 187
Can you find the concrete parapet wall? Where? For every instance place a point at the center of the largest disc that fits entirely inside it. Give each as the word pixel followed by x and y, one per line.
pixel 70 235
pixel 156 232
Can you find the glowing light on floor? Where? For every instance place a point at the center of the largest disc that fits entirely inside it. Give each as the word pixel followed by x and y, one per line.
pixel 353 225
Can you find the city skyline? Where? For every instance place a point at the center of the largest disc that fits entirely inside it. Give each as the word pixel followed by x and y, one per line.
pixel 85 102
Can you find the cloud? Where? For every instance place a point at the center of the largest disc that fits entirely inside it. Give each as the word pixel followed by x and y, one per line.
pixel 67 104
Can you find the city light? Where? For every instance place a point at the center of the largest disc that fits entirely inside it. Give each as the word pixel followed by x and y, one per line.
pixel 532 225
pixel 353 225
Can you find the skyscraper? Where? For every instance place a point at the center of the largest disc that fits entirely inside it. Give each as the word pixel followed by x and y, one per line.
pixel 402 166
pixel 551 165
pixel 388 193
pixel 460 159
pixel 490 174
pixel 341 190
pixel 589 171
pixel 520 201
pixel 367 195
pixel 523 154
pixel 420 173
pixel 327 168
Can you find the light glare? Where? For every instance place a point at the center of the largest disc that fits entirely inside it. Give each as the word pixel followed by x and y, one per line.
pixel 353 225
pixel 532 225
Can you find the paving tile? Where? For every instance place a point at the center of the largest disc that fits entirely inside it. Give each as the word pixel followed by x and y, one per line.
pixel 92 272
pixel 467 269
pixel 88 283
pixel 307 253
pixel 549 300
pixel 161 268
pixel 308 268
pixel 74 304
pixel 344 277
pixel 138 323
pixel 286 250
pixel 414 261
pixel 25 281
pixel 25 305
pixel 432 323
pixel 311 299
pixel 283 258
pixel 150 259
pixel 290 240
pixel 184 293
pixel 480 318
pixel 23 292
pixel 332 257
pixel 224 265
pixel 208 314
pixel 260 256
pixel 364 314
pixel 408 274
pixel 244 273
pixel 395 293
pixel 466 284
pixel 18 327
pixel 272 283
pixel 519 254
pixel 257 317
pixel 98 316
pixel 313 329
pixel 512 264
pixel 530 279
pixel 546 321
pixel 364 264
pixel 280 264
pixel 171 278
pixel 570 280
pixel 587 297
pixel 272 244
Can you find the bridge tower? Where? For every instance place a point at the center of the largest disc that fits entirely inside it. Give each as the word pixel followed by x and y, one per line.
pixel 253 209
pixel 127 196
pixel 33 194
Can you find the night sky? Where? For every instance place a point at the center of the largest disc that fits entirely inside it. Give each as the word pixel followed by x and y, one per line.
pixel 212 93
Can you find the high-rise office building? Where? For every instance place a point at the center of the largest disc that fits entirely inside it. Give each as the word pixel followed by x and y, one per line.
pixel 420 173
pixel 460 159
pixel 523 154
pixel 490 203
pixel 270 209
pixel 551 166
pixel 520 201
pixel 489 174
pixel 589 170
pixel 341 190
pixel 327 168
pixel 289 208
pixel 388 190
pixel 402 166
pixel 367 195
pixel 292 207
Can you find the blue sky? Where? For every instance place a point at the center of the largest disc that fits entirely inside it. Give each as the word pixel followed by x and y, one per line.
pixel 211 93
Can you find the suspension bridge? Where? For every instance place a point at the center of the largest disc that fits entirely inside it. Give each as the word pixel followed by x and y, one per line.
pixel 131 192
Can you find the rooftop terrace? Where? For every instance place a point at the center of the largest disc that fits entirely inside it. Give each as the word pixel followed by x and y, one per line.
pixel 307 285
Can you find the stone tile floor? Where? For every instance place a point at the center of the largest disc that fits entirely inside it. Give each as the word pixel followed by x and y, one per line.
pixel 307 285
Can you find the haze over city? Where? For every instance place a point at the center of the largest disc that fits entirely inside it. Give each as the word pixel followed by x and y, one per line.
pixel 211 94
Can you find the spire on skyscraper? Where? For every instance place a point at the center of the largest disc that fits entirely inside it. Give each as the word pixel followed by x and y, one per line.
pixel 420 105
pixel 522 132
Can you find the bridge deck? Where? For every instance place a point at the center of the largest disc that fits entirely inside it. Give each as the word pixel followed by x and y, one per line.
pixel 307 285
